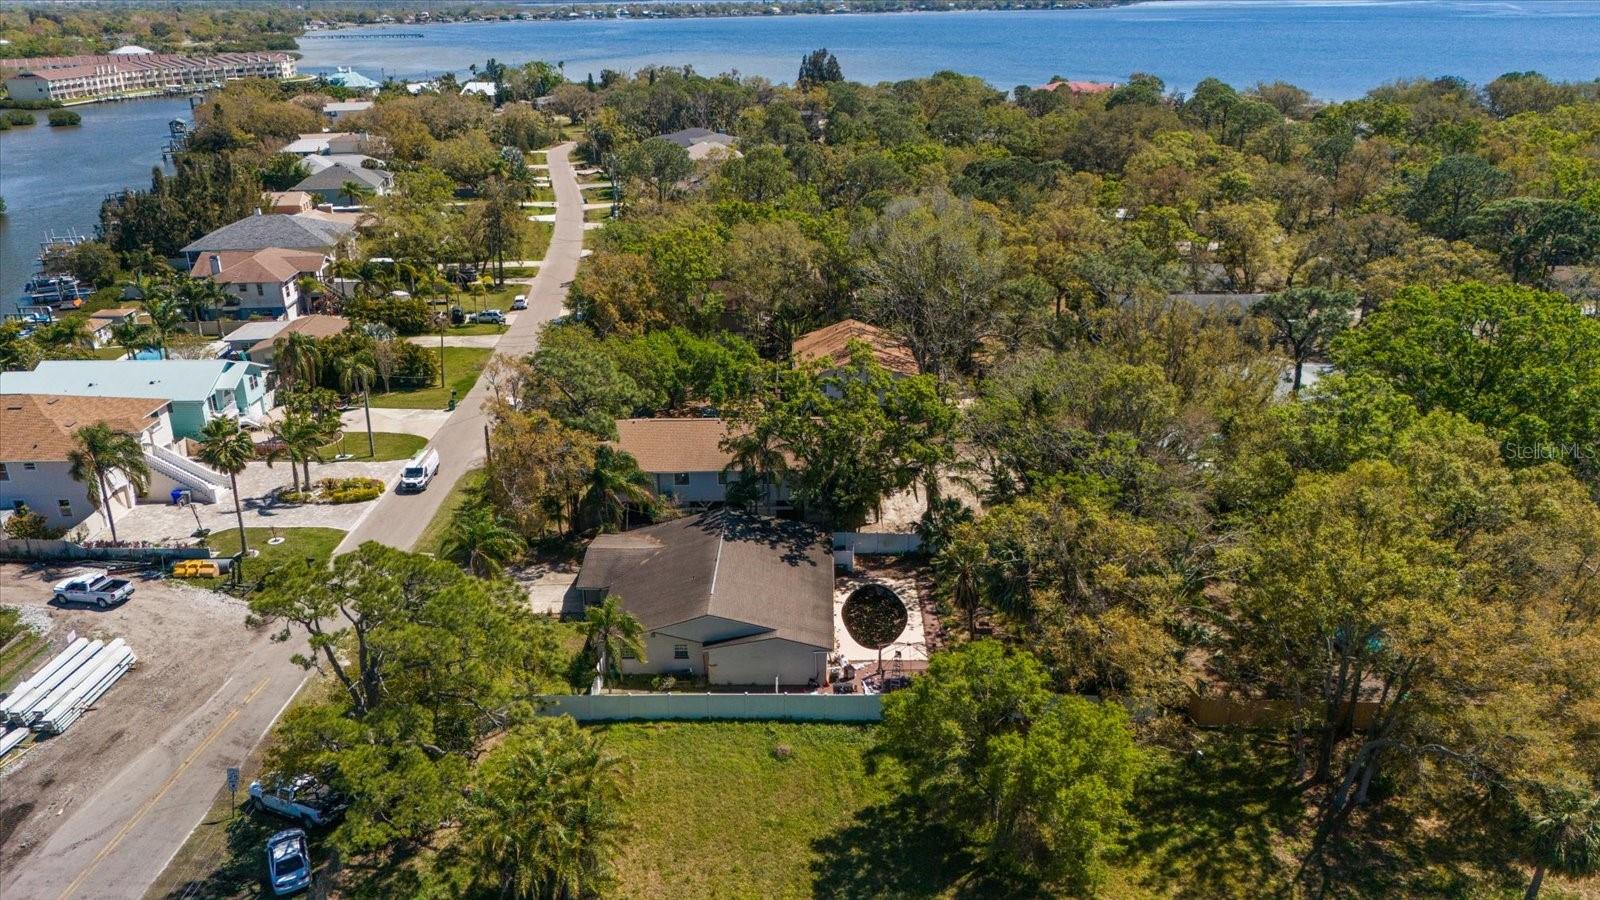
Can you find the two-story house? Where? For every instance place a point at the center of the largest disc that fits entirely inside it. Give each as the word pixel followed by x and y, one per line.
pixel 198 390
pixel 686 461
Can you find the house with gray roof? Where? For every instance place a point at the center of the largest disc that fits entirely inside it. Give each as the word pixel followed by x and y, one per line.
pixel 734 598
pixel 330 183
pixel 703 143
pixel 260 232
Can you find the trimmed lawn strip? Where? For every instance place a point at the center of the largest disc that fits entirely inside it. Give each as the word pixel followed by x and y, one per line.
pixel 432 537
pixel 298 543
pixel 16 661
pixel 391 445
pixel 597 215
pixel 462 366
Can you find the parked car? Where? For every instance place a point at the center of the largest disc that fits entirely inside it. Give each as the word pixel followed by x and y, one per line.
pixel 520 301
pixel 457 316
pixel 95 588
pixel 303 799
pixel 490 317
pixel 288 862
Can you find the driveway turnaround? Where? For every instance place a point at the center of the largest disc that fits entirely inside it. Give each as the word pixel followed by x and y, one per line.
pixel 399 519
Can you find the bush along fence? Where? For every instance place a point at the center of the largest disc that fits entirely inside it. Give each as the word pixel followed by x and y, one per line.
pixel 34 550
pixel 705 707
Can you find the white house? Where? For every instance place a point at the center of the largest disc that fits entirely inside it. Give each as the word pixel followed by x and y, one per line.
pixel 261 283
pixel 38 434
pixel 732 598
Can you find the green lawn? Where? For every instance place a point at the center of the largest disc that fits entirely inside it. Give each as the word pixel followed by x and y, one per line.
pixel 477 327
pixel 715 812
pixel 112 352
pixel 432 537
pixel 18 658
pixel 390 446
pixel 597 215
pixel 298 543
pixel 462 365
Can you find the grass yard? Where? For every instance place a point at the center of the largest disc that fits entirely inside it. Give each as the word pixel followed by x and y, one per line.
pixel 462 366
pixel 298 543
pixel 476 328
pixel 432 537
pixel 18 657
pixel 390 445
pixel 715 811
pixel 111 352
pixel 536 239
pixel 597 215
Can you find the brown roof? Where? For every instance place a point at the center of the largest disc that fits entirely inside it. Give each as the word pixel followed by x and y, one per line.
pixel 116 314
pixel 675 445
pixel 39 427
pixel 773 574
pixel 272 265
pixel 315 325
pixel 831 343
pixel 282 200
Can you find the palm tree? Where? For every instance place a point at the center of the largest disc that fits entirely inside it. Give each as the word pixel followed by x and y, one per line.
pixel 299 438
pixel 164 314
pixel 615 483
pixel 356 375
pixel 356 192
pixel 961 569
pixel 297 359
pixel 1565 837
pixel 226 447
pixel 613 632
pixel 545 815
pixel 132 336
pixel 483 540
pixel 100 451
pixel 198 297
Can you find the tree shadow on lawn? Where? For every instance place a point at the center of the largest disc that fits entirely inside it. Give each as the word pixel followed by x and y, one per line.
pixel 891 849
pixel 1209 825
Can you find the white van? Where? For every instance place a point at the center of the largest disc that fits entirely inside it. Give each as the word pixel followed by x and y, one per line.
pixel 419 471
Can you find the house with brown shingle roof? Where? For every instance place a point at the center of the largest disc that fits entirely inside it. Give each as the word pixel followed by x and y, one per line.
pixel 37 436
pixel 734 598
pixel 831 345
pixel 103 322
pixel 686 461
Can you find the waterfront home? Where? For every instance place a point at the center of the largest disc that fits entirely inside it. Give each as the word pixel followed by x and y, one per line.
pixel 260 283
pixel 1078 88
pixel 103 323
pixel 315 164
pixel 481 88
pixel 346 77
pixel 327 142
pixel 686 461
pixel 198 390
pixel 331 184
pixel 830 345
pixel 38 434
pixel 733 598
pixel 338 110
pixel 305 232
pixel 94 77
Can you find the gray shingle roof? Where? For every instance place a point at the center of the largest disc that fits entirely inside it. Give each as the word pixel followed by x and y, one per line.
pixel 691 136
pixel 770 573
pixel 273 230
pixel 334 177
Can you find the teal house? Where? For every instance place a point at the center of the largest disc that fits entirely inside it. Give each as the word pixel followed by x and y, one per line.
pixel 199 389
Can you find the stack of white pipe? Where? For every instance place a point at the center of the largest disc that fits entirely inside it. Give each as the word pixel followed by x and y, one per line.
pixel 100 674
pixel 11 739
pixel 20 703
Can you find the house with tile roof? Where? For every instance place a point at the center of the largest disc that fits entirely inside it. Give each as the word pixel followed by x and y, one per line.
pixel 37 435
pixel 260 283
pixel 686 461
pixel 831 346
pixel 733 598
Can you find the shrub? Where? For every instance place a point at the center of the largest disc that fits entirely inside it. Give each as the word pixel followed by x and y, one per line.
pixel 65 117
pixel 782 752
pixel 296 497
pixel 354 495
pixel 5 124
pixel 19 117
pixel 26 524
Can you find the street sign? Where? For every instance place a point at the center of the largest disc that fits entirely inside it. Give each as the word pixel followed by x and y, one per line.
pixel 233 779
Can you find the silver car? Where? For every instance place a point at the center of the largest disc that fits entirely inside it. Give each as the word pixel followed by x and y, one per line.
pixel 288 862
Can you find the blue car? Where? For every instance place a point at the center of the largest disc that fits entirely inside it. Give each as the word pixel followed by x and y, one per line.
pixel 288 862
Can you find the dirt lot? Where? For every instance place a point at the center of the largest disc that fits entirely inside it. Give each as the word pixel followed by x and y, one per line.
pixel 188 642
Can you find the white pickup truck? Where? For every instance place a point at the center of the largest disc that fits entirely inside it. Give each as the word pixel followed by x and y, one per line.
pixel 94 588
pixel 303 799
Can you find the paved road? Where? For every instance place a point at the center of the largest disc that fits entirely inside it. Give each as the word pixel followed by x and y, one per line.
pixel 118 842
pixel 399 519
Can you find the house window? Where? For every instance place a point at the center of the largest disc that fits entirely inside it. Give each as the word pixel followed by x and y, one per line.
pixel 680 478
pixel 679 651
pixel 28 467
pixel 255 382
pixel 261 291
pixel 4 475
pixel 65 508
